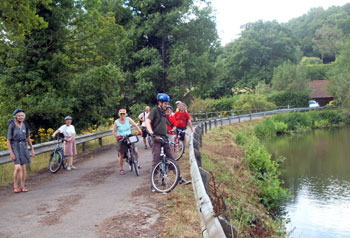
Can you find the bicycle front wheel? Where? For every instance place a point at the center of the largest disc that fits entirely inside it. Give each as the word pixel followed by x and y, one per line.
pixel 55 161
pixel 165 175
pixel 178 149
pixel 135 163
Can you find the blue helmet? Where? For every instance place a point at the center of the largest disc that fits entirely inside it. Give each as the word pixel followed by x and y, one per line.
pixel 17 111
pixel 163 97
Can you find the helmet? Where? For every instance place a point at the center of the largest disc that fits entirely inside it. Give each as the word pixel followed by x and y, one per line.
pixel 167 107
pixel 17 111
pixel 163 97
pixel 122 111
pixel 68 118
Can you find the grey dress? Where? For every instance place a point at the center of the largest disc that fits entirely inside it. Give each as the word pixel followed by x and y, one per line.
pixel 18 143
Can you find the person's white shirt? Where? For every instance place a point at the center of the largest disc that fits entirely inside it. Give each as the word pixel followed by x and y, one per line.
pixel 67 130
pixel 144 116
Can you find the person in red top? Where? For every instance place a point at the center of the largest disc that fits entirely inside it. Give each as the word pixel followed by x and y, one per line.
pixel 183 119
pixel 171 123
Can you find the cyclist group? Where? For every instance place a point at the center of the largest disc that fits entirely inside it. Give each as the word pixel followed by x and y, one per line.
pixel 158 122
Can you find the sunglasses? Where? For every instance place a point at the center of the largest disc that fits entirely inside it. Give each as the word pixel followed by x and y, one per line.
pixel 122 113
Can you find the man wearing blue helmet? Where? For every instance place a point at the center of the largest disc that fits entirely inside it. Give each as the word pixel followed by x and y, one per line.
pixel 156 124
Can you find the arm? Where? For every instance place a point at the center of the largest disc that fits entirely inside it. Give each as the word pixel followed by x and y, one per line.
pixel 149 126
pixel 135 125
pixel 55 133
pixel 115 128
pixel 12 155
pixel 190 125
pixel 31 146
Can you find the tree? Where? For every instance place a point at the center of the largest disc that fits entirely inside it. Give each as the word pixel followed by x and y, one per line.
pixel 261 47
pixel 289 77
pixel 326 39
pixel 340 76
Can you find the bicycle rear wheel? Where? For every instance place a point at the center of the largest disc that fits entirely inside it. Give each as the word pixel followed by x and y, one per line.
pixel 178 149
pixel 135 163
pixel 165 176
pixel 55 161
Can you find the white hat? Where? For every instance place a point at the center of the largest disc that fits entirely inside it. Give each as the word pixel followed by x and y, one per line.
pixel 177 102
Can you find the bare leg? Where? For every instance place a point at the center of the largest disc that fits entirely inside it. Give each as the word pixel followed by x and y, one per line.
pixel 70 161
pixel 23 175
pixel 121 160
pixel 16 174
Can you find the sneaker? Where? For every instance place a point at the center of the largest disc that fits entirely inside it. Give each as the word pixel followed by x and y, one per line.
pixel 146 147
pixel 69 168
pixel 184 181
pixel 73 167
pixel 152 189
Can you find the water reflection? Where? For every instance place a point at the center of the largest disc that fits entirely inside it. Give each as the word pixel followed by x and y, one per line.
pixel 317 173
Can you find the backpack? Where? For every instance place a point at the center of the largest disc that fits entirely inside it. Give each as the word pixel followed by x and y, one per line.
pixel 12 124
pixel 144 115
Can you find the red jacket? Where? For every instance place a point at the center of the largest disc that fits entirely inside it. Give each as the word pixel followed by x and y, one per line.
pixel 172 121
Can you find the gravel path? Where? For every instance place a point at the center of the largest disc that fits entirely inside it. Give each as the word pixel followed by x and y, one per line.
pixel 93 201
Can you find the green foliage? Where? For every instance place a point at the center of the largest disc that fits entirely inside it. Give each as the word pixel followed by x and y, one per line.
pixel 223 104
pixel 339 77
pixel 265 170
pixel 270 127
pixel 287 122
pixel 136 109
pixel 248 103
pixel 292 98
pixel 295 120
pixel 289 77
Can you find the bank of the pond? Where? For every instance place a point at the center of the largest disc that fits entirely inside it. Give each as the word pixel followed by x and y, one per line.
pixel 244 195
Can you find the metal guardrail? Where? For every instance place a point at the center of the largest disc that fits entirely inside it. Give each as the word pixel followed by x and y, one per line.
pixel 50 146
pixel 210 225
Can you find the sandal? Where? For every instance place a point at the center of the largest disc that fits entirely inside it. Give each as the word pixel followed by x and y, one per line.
pixel 122 172
pixel 23 189
pixel 139 166
pixel 16 190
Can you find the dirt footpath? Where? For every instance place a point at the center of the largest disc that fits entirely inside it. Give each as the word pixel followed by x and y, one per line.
pixel 93 201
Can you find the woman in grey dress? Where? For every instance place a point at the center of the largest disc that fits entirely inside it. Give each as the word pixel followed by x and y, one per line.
pixel 17 136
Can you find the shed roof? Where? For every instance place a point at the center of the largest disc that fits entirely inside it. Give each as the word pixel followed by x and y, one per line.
pixel 320 89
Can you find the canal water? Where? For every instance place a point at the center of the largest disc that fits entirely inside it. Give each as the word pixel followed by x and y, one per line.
pixel 317 173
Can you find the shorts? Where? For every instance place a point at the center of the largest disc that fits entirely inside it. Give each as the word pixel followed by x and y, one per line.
pixel 182 134
pixel 144 132
pixel 121 147
pixel 20 160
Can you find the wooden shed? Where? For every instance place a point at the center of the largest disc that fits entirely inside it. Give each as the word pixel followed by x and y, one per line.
pixel 320 92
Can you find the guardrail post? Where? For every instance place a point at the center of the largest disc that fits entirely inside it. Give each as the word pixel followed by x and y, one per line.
pixel 264 114
pixel 206 127
pixel 229 120
pixel 100 141
pixel 84 147
pixel 250 116
pixel 206 115
pixel 221 121
pixel 216 122
pixel 239 118
pixel 210 125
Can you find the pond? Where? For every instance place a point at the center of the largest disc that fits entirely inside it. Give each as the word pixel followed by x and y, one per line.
pixel 317 173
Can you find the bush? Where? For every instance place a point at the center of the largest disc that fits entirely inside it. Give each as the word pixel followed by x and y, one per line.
pixel 223 104
pixel 253 103
pixel 270 127
pixel 200 105
pixel 265 171
pixel 295 120
pixel 292 98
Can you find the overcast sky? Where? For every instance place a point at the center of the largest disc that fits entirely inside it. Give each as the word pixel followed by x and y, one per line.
pixel 231 14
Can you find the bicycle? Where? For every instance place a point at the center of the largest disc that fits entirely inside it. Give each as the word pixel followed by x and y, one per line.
pixel 57 158
pixel 130 155
pixel 166 173
pixel 178 146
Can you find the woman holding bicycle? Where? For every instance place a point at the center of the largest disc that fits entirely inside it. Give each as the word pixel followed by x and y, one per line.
pixel 183 119
pixel 17 136
pixel 70 147
pixel 122 127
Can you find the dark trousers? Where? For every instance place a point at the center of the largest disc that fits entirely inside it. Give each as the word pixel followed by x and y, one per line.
pixel 156 152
